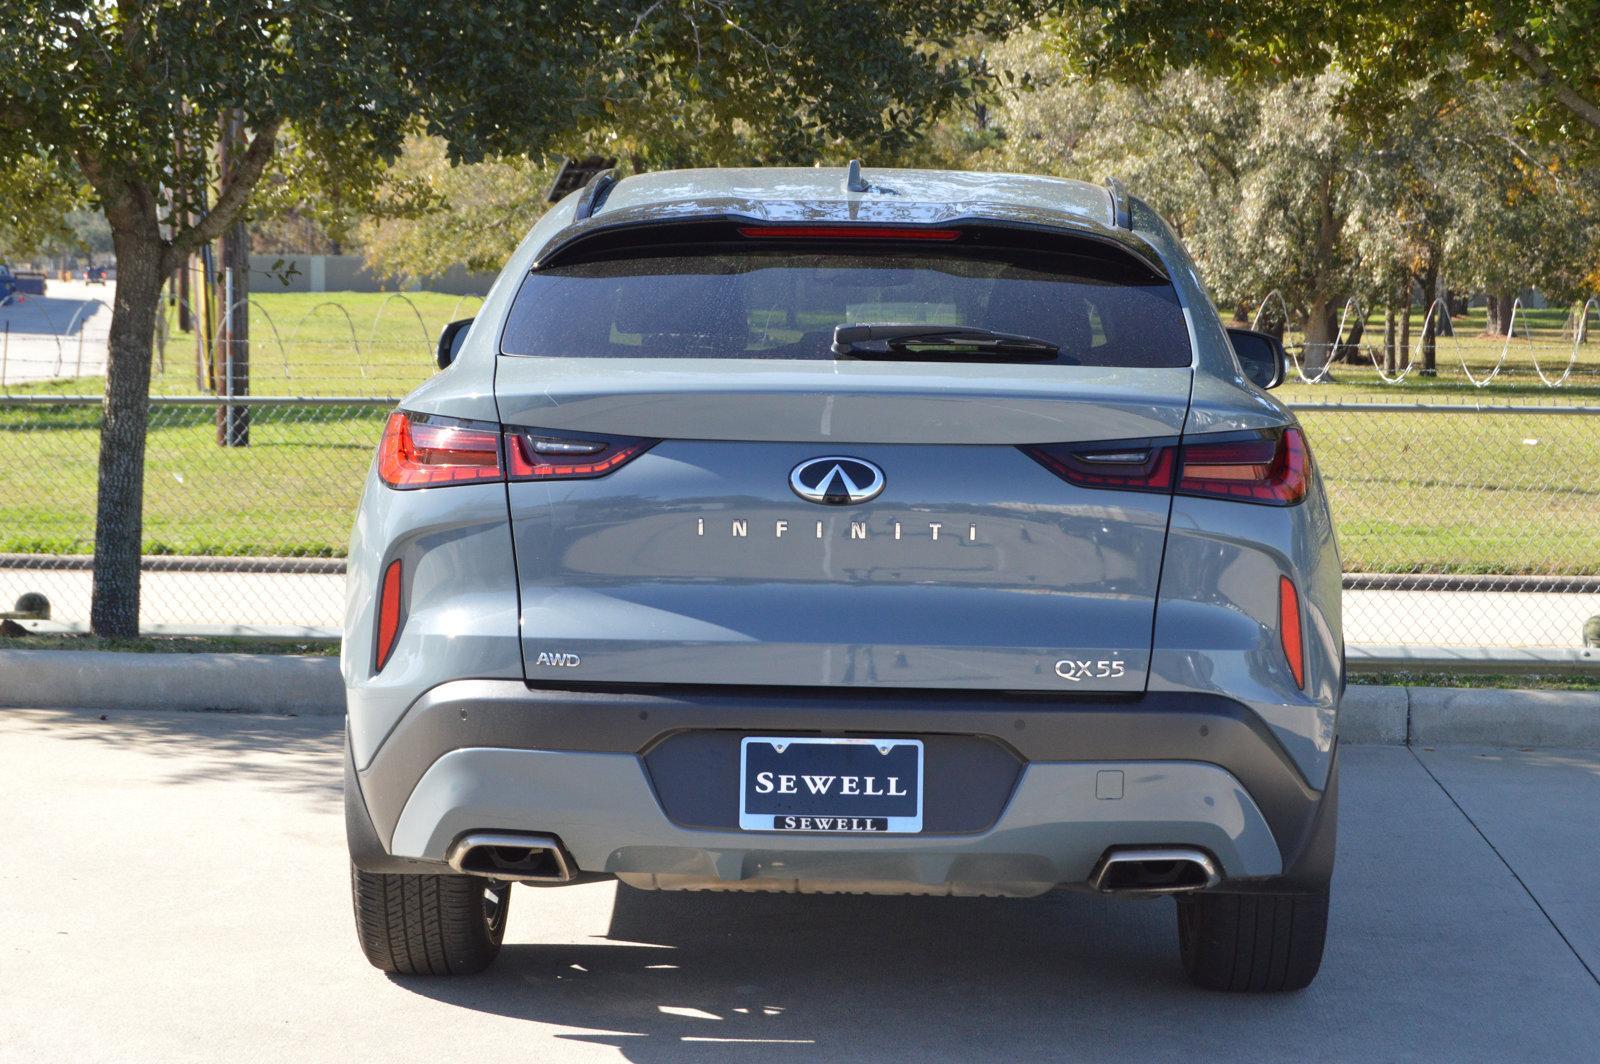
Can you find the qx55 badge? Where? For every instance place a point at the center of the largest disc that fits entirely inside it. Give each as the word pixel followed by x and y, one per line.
pixel 1100 669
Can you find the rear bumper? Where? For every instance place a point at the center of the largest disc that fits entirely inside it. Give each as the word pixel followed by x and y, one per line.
pixel 588 766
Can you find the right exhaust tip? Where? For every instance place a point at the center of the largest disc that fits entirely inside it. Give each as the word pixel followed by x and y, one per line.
pixel 1155 870
pixel 512 855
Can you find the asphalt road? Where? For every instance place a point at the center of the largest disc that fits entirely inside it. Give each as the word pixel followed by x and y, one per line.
pixel 59 334
pixel 173 888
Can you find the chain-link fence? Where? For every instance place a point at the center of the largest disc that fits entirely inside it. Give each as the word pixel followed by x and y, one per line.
pixel 1460 526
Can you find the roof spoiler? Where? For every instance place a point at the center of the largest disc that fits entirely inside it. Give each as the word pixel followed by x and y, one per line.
pixel 638 226
pixel 1121 216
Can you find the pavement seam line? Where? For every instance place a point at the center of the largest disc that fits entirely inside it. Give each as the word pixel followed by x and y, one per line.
pixel 1495 850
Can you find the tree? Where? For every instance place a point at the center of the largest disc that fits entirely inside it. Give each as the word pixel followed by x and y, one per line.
pixel 1383 48
pixel 133 95
pixel 431 216
pixel 1267 185
pixel 36 204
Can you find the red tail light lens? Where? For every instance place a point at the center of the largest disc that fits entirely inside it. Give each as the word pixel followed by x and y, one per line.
pixel 1289 633
pixel 1134 465
pixel 1272 468
pixel 423 451
pixel 388 614
pixel 533 456
pixel 845 232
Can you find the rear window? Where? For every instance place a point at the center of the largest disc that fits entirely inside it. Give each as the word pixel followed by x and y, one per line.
pixel 784 303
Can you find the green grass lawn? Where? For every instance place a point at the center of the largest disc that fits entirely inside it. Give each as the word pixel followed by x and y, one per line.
pixel 309 343
pixel 1465 493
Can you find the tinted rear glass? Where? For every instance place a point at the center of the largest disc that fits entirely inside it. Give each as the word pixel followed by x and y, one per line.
pixel 783 304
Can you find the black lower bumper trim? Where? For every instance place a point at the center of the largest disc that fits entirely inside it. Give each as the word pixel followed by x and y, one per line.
pixel 1156 727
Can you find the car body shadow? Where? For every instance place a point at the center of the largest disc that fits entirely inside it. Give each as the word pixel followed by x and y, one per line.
pixel 845 977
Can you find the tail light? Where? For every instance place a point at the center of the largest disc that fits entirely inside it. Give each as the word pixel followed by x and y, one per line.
pixel 1267 467
pixel 1289 633
pixel 1272 467
pixel 424 451
pixel 538 457
pixel 1136 465
pixel 389 615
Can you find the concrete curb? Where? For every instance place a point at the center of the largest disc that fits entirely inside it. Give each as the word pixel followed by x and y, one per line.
pixel 1372 714
pixel 1474 716
pixel 1532 718
pixel 257 683
pixel 286 683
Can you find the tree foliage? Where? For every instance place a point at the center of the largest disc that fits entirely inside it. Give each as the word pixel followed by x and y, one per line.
pixel 432 216
pixel 1275 187
pixel 1382 47
pixel 135 96
pixel 37 199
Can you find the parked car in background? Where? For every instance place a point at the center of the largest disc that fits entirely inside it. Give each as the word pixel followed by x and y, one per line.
pixel 820 530
pixel 29 282
pixel 95 275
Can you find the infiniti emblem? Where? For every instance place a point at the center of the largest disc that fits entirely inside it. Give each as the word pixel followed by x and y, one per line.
pixel 836 480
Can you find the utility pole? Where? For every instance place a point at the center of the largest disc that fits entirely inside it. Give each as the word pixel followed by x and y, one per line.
pixel 233 356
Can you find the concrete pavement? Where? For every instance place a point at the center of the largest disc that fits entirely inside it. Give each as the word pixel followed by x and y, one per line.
pixel 173 888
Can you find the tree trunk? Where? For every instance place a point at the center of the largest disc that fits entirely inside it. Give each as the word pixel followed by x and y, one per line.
pixel 1391 361
pixel 1319 336
pixel 119 516
pixel 1499 313
pixel 1430 331
pixel 1403 354
pixel 1349 349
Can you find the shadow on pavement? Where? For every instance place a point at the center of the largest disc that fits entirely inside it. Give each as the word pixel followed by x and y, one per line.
pixel 54 315
pixel 284 754
pixel 688 976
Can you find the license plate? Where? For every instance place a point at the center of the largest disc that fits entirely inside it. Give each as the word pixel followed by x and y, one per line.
pixel 852 785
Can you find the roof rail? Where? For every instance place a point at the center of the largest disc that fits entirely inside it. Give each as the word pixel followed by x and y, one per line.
pixel 594 193
pixel 1121 217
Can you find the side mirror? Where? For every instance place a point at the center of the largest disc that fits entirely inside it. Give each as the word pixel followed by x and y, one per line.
pixel 1261 356
pixel 451 337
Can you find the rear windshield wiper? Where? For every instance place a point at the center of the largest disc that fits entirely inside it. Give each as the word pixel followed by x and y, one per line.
pixel 938 343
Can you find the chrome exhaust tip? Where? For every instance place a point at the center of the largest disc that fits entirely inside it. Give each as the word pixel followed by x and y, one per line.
pixel 511 855
pixel 1155 870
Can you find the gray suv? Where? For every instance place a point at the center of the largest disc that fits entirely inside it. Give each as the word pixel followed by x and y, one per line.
pixel 812 530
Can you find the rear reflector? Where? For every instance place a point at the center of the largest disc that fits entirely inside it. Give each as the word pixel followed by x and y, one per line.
pixel 535 457
pixel 422 451
pixel 845 232
pixel 388 614
pixel 1289 633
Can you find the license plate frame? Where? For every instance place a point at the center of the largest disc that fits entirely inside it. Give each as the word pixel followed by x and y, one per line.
pixel 806 812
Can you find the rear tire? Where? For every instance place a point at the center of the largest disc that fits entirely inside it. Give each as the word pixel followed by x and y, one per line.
pixel 1252 942
pixel 429 924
